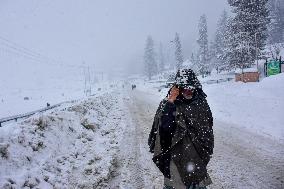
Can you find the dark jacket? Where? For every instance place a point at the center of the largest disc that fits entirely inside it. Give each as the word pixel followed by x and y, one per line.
pixel 182 132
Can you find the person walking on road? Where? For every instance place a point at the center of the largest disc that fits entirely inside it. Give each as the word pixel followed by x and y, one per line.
pixel 182 137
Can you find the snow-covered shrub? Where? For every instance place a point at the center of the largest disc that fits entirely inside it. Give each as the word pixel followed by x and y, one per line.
pixel 88 125
pixel 4 150
pixel 41 122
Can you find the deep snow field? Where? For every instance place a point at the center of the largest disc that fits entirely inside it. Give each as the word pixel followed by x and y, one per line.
pixel 41 84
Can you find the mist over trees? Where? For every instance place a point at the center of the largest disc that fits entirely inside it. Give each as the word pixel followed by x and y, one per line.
pixel 178 52
pixel 203 53
pixel 218 49
pixel 161 59
pixel 249 31
pixel 155 63
pixel 242 37
pixel 276 26
pixel 150 63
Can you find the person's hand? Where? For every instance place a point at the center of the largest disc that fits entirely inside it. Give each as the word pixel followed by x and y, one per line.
pixel 173 94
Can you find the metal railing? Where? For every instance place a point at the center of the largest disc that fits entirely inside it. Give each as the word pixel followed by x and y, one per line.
pixel 28 114
pixel 213 81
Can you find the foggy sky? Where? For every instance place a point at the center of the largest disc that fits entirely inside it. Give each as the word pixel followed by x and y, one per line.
pixel 107 34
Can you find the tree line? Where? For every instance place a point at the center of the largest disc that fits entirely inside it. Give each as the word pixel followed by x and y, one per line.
pixel 253 30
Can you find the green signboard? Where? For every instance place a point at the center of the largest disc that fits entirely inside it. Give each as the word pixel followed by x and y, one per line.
pixel 273 67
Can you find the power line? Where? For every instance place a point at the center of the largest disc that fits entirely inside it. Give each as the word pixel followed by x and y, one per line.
pixel 11 47
pixel 24 52
pixel 15 45
pixel 14 51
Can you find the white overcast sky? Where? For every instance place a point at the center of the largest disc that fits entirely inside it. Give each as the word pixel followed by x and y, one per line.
pixel 108 34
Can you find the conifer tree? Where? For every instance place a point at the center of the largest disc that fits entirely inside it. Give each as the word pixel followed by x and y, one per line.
pixel 203 45
pixel 178 52
pixel 149 58
pixel 219 44
pixel 194 62
pixel 248 30
pixel 276 26
pixel 161 59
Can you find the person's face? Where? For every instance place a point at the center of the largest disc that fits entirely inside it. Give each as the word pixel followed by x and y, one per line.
pixel 187 93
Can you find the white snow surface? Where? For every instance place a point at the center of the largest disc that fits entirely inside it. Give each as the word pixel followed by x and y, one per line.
pixel 257 107
pixel 101 141
pixel 55 150
pixel 254 106
pixel 41 85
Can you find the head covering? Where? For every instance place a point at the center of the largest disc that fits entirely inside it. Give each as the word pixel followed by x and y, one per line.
pixel 186 77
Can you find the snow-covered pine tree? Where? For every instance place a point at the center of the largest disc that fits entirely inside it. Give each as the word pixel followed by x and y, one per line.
pixel 249 30
pixel 219 44
pixel 178 52
pixel 194 62
pixel 161 59
pixel 202 41
pixel 231 58
pixel 150 58
pixel 281 16
pixel 276 26
pixel 192 58
pixel 212 55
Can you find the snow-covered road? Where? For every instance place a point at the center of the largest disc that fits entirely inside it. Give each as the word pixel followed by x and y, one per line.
pixel 135 166
pixel 241 159
pixel 245 160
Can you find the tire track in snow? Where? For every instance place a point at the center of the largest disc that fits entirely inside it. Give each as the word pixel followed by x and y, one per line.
pixel 243 159
pixel 135 167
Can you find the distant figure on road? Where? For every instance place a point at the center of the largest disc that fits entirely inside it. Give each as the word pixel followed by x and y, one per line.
pixel 182 137
pixel 133 87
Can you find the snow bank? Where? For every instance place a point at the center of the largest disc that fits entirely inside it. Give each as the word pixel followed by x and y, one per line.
pixel 257 107
pixel 71 147
pixel 12 97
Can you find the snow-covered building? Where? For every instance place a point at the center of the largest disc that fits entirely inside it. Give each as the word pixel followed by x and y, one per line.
pixel 247 75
